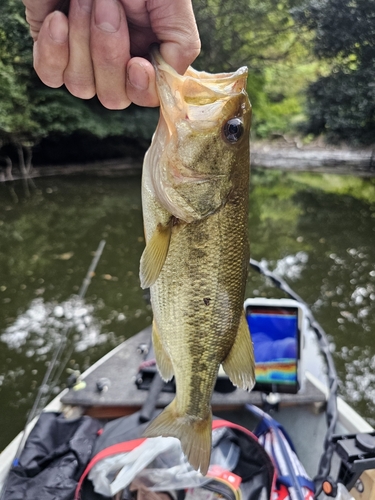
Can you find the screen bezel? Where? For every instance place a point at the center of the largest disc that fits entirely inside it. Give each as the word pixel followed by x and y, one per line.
pixel 280 387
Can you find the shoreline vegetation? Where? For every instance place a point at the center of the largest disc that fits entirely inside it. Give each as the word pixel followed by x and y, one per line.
pixel 281 153
pixel 311 83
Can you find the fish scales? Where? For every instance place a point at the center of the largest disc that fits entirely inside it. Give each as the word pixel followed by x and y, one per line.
pixel 195 194
pixel 200 354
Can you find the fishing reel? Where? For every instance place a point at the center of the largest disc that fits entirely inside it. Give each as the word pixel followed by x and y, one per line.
pixel 356 469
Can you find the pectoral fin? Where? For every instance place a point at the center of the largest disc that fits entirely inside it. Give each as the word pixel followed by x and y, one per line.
pixel 162 359
pixel 154 255
pixel 239 365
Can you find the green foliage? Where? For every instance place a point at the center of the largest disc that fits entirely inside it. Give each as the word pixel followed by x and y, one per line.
pixel 29 111
pixel 342 27
pixel 245 32
pixel 342 103
pixel 259 34
pixel 15 59
pixel 57 111
pixel 280 99
pixel 262 36
pixel 15 114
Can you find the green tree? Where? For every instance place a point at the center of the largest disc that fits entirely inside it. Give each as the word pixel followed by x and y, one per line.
pixel 259 34
pixel 29 111
pixel 262 36
pixel 342 102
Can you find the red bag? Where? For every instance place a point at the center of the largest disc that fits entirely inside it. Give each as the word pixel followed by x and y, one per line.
pixel 254 474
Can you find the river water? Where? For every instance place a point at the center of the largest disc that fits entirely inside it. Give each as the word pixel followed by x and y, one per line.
pixel 316 230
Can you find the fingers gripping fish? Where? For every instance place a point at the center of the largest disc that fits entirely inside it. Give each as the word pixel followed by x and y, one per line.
pixel 195 203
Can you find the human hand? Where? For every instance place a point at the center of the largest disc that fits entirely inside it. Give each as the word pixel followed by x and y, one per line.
pixel 100 47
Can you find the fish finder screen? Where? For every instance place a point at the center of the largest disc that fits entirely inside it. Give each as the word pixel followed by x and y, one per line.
pixel 275 334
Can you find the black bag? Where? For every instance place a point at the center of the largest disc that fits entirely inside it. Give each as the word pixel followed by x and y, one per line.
pixel 54 458
pixel 254 468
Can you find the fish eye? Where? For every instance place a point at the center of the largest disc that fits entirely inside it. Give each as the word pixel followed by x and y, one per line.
pixel 233 130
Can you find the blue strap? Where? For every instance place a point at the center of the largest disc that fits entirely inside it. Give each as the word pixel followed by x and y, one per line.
pixel 266 423
pixel 302 481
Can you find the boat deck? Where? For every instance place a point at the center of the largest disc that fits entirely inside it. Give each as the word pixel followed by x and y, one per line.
pixel 301 414
pixel 118 370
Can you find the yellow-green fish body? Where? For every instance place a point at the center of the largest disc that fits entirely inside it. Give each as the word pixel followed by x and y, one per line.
pixel 195 196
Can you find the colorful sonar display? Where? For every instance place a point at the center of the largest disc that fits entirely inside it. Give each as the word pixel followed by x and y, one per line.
pixel 275 334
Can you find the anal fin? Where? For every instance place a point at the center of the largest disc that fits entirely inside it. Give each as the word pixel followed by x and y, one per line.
pixel 154 255
pixel 239 365
pixel 162 359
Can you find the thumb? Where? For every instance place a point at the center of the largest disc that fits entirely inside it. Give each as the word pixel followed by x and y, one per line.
pixel 174 25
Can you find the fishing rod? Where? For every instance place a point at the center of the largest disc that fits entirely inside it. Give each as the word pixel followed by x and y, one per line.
pixel 331 411
pixel 43 388
pixel 53 376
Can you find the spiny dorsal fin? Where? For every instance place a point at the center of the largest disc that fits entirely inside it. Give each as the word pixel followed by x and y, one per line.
pixel 154 255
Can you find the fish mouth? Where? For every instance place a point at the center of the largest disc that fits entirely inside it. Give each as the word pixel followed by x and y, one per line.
pixel 191 156
pixel 198 98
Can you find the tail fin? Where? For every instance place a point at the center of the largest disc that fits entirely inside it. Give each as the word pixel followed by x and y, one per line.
pixel 195 435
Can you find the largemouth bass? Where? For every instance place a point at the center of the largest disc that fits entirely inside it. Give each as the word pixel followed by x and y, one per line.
pixel 195 189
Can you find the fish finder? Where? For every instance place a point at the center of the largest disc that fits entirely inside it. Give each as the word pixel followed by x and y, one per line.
pixel 275 326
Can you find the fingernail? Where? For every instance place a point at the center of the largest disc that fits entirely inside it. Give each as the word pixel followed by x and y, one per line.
pixel 85 5
pixel 58 30
pixel 107 15
pixel 138 77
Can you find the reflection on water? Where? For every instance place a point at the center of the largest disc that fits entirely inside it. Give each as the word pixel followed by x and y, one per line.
pixel 46 246
pixel 38 330
pixel 291 266
pixel 317 231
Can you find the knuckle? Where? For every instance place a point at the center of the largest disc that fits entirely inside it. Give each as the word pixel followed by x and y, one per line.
pixel 112 58
pixel 34 23
pixel 191 41
pixel 192 51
